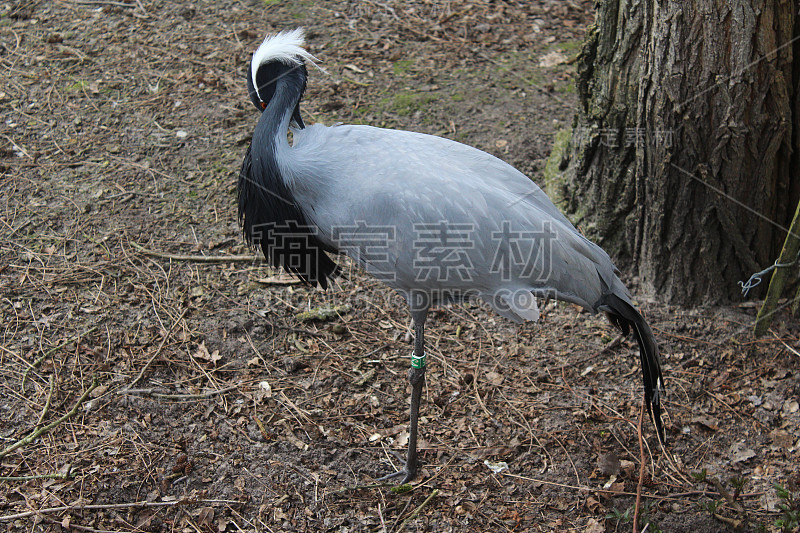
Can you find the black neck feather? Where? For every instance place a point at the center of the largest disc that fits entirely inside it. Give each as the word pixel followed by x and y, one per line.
pixel 268 211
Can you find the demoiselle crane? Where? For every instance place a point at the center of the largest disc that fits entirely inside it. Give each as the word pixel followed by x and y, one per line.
pixel 437 221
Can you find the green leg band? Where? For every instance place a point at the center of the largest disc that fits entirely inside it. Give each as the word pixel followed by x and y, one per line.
pixel 417 361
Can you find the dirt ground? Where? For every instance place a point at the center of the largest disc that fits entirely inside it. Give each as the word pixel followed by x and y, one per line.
pixel 217 408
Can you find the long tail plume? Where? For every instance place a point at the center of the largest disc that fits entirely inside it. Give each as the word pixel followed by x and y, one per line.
pixel 626 318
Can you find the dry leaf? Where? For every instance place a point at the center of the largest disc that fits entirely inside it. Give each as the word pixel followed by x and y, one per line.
pixel 494 378
pixel 205 516
pixel 552 59
pixel 741 454
pixel 593 526
pixel 496 467
pixel 281 279
pixel 203 354
pixel 98 391
pixel 264 390
pixel 706 421
pixel 780 438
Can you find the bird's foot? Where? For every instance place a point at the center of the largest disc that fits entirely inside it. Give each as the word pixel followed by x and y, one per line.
pixel 408 476
pixel 408 473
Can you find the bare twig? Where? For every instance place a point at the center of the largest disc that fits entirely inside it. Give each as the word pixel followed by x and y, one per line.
pixel 362 487
pixel 416 511
pixel 733 522
pixel 47 402
pixel 103 3
pixel 17 147
pixel 731 499
pixel 196 258
pixel 200 396
pixel 641 471
pixel 103 506
pixel 41 431
pixel 51 351
pixel 158 351
pixel 59 475
pixel 380 515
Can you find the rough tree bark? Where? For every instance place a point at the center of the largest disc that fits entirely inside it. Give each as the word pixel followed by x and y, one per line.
pixel 684 162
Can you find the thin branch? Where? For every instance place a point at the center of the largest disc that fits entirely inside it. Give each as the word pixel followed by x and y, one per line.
pixel 731 498
pixel 101 506
pixel 195 258
pixel 41 431
pixel 60 475
pixel 103 3
pixel 47 403
pixel 416 511
pixel 158 351
pixel 733 522
pixel 166 396
pixel 641 471
pixel 51 351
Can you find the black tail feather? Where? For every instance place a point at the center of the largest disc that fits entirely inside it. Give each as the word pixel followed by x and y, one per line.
pixel 626 317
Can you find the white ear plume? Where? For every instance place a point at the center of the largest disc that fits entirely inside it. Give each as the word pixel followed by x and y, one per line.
pixel 286 47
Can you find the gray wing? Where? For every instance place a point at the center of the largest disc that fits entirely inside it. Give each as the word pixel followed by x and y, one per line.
pixel 425 213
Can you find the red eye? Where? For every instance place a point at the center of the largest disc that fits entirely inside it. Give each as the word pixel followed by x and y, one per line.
pixel 263 105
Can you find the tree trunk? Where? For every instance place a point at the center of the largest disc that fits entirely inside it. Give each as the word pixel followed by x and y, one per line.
pixel 685 158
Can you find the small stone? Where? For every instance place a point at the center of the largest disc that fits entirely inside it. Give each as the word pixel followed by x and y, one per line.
pixel 790 407
pixel 755 400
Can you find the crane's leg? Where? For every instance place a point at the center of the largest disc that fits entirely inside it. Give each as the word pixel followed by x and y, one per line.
pixel 416 376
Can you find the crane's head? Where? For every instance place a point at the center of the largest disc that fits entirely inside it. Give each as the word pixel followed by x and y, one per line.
pixel 280 58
